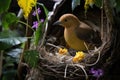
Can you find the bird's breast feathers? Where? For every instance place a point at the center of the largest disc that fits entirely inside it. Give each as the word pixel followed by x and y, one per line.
pixel 73 41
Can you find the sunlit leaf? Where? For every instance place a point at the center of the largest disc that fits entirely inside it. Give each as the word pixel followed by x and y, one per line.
pixel 14 53
pixel 8 19
pixel 31 58
pixel 9 39
pixel 26 6
pixel 9 42
pixel 4 5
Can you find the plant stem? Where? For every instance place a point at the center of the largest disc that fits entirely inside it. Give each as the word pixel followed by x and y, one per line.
pixel 1 59
pixel 26 24
pixel 37 14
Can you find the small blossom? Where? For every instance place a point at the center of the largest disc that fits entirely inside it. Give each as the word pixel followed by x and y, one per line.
pixel 96 73
pixel 38 11
pixel 35 24
pixel 63 51
pixel 34 13
pixel 78 57
pixel 42 20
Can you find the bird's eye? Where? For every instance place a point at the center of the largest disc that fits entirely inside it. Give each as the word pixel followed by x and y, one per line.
pixel 65 20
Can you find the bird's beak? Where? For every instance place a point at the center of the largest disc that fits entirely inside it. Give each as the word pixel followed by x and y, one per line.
pixel 57 23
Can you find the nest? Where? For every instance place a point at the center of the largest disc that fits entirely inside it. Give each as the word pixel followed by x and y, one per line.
pixel 53 65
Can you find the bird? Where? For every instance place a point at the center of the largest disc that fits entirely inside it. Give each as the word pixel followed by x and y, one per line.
pixel 79 35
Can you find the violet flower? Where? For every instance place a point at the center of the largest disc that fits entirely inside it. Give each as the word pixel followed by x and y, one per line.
pixel 35 24
pixel 42 20
pixel 96 72
pixel 38 11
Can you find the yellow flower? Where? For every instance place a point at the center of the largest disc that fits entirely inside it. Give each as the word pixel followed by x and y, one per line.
pixel 91 2
pixel 63 51
pixel 78 57
pixel 26 6
pixel 88 3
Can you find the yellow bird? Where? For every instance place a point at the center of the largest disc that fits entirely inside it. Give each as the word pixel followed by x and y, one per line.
pixel 78 33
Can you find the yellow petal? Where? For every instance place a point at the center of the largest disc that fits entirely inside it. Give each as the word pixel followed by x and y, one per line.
pixel 63 51
pixel 91 2
pixel 88 3
pixel 26 6
pixel 78 57
pixel 86 6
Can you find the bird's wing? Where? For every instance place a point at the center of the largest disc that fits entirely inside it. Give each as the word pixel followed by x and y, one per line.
pixel 92 25
pixel 86 33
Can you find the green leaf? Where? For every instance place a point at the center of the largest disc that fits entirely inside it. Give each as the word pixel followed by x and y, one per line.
pixel 9 42
pixel 7 34
pixel 9 74
pixel 14 53
pixel 75 3
pixel 38 34
pixel 8 19
pixel 4 5
pixel 8 64
pixel 118 6
pixel 98 3
pixel 31 58
pixel 9 39
pixel 113 3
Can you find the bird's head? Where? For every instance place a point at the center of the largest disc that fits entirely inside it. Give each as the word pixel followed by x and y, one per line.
pixel 67 20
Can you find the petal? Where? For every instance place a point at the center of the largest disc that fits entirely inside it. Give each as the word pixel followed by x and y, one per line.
pixel 38 10
pixel 63 51
pixel 26 6
pixel 34 13
pixel 35 24
pixel 42 20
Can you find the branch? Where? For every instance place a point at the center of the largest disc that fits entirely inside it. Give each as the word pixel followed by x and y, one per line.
pixel 109 11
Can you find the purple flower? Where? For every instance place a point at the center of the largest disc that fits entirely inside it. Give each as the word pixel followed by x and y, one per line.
pixel 41 20
pixel 96 72
pixel 35 24
pixel 38 11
